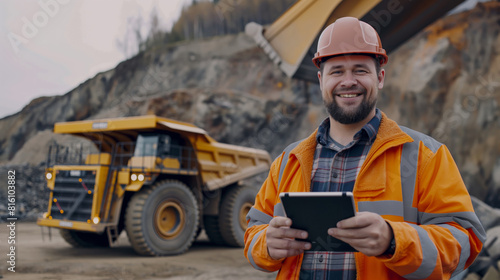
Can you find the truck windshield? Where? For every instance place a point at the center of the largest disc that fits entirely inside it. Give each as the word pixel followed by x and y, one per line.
pixel 146 146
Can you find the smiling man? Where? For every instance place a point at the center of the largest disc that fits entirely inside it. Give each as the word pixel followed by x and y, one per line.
pixel 349 86
pixel 415 218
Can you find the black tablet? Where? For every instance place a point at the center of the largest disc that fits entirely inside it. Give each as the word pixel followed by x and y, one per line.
pixel 316 212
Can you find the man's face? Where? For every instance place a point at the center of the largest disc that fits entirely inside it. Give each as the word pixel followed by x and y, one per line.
pixel 349 86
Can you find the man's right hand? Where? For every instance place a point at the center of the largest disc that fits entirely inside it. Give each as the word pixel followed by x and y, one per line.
pixel 281 241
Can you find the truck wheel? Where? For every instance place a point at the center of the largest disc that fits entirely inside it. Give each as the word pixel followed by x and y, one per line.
pixel 236 202
pixel 212 229
pixel 162 219
pixel 83 239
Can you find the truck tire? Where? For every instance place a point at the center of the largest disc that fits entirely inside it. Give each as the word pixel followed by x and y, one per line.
pixel 236 202
pixel 162 219
pixel 212 229
pixel 83 239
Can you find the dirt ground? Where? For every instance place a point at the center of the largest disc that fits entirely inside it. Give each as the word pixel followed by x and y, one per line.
pixel 39 258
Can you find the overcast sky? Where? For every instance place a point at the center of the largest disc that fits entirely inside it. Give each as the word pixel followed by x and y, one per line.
pixel 48 47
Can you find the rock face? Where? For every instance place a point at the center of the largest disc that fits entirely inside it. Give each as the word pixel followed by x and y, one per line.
pixel 225 85
pixel 443 82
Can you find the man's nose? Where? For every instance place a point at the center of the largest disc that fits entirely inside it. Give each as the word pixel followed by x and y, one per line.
pixel 349 80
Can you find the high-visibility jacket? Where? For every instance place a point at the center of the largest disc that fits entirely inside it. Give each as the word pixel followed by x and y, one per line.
pixel 408 178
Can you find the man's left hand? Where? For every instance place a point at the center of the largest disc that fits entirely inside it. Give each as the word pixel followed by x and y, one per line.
pixel 367 232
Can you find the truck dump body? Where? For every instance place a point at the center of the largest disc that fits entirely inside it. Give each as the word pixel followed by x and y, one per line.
pixel 219 164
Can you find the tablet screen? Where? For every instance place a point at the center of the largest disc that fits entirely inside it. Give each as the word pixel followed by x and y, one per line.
pixel 316 212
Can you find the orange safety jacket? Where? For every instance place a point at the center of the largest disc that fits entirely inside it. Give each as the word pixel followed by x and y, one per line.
pixel 408 178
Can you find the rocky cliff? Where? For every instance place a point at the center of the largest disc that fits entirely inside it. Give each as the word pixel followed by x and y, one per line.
pixel 443 82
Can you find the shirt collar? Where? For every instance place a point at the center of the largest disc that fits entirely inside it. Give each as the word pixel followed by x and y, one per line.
pixel 368 131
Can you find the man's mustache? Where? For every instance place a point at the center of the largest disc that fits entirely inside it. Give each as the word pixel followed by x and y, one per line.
pixel 357 89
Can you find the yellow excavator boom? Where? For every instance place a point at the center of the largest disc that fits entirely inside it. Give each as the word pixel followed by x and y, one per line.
pixel 291 40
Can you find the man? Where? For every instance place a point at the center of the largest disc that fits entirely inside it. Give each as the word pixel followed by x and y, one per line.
pixel 415 218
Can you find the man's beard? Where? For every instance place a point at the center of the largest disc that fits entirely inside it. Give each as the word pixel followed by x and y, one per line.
pixel 349 117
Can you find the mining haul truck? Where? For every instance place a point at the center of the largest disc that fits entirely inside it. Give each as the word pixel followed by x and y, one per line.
pixel 161 180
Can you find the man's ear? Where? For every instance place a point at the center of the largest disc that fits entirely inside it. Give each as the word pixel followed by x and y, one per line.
pixel 319 78
pixel 381 77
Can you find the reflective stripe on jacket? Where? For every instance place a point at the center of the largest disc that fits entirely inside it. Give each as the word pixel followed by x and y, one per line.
pixel 408 178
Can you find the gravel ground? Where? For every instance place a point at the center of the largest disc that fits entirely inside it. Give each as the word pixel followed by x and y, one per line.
pixel 37 257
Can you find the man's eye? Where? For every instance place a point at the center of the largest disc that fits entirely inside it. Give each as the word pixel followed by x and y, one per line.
pixel 361 71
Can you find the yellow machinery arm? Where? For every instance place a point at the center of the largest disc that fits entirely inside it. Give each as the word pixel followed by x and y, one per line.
pixel 291 40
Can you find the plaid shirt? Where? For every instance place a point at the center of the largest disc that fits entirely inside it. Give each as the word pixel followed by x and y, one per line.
pixel 335 168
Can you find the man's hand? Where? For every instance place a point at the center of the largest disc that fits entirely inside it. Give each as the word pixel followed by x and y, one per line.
pixel 367 232
pixel 281 241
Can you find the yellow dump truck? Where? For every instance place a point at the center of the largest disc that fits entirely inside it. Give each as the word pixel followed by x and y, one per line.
pixel 161 180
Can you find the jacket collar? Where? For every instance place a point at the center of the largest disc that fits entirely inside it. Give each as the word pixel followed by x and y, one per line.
pixel 389 135
pixel 388 132
pixel 368 131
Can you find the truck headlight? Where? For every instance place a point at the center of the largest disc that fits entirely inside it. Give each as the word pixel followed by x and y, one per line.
pixel 133 177
pixel 48 175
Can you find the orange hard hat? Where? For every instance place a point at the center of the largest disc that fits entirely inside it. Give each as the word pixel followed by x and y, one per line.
pixel 348 35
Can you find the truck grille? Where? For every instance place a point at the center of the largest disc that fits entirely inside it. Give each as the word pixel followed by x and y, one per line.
pixel 73 195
